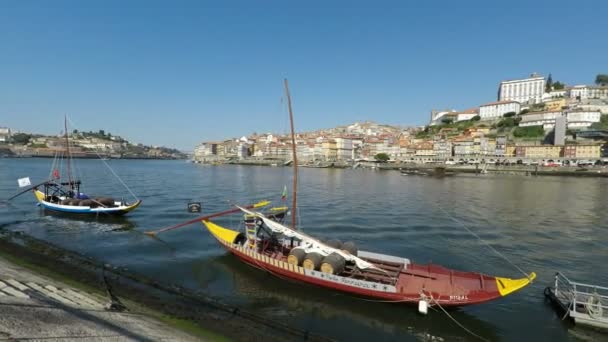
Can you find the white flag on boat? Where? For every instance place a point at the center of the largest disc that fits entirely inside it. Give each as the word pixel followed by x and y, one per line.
pixel 24 182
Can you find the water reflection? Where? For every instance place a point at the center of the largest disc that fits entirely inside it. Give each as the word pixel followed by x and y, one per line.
pixel 312 308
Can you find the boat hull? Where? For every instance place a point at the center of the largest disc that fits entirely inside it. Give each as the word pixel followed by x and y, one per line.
pixel 84 210
pixel 437 286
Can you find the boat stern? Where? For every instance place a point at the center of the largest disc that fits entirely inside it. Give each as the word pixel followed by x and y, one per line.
pixel 507 286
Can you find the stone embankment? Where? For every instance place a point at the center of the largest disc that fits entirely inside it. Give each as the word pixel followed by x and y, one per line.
pixel 39 308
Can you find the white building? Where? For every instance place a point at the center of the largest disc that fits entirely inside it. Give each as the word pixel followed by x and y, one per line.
pixel 5 134
pixel 545 119
pixel 523 90
pixel 588 92
pixel 496 110
pixel 582 118
pixel 575 119
pixel 467 114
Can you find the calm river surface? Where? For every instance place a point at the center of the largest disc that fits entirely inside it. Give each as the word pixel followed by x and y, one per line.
pixel 542 224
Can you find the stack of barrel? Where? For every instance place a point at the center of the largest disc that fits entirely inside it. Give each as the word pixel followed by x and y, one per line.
pixel 333 263
pixel 92 203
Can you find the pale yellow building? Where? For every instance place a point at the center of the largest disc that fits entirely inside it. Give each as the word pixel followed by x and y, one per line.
pixel 555 105
pixel 588 151
pixel 510 151
pixel 543 151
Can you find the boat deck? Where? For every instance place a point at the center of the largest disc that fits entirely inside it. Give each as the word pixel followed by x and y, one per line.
pixel 585 304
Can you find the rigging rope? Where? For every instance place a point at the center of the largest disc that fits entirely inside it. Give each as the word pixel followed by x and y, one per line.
pixel 482 240
pixel 110 168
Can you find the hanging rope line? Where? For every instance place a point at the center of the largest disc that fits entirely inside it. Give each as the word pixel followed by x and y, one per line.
pixel 457 323
pixel 109 167
pixel 482 240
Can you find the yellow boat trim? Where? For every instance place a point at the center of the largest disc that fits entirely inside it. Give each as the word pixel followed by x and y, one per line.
pixel 39 195
pixel 507 285
pixel 221 233
pixel 279 208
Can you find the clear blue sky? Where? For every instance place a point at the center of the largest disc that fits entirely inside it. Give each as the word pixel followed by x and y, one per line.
pixel 175 73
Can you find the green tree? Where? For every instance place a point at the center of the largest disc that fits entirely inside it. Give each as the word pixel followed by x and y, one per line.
pixel 601 79
pixel 75 131
pixel 476 118
pixel 446 121
pixel 382 157
pixel 524 111
pixel 509 114
pixel 21 138
pixel 102 132
pixel 558 85
pixel 549 84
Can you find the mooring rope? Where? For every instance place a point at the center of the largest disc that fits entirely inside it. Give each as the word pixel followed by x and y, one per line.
pixel 482 240
pixel 456 321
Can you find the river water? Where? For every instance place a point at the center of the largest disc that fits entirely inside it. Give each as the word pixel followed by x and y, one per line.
pixel 540 224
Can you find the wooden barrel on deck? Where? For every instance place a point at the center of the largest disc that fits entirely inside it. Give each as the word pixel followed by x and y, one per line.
pixel 350 247
pixel 86 203
pixel 312 261
pixel 333 264
pixel 296 256
pixel 334 243
pixel 106 201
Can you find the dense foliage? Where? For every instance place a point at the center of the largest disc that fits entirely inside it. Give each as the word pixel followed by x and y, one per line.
pixel 529 132
pixel 601 79
pixel 382 157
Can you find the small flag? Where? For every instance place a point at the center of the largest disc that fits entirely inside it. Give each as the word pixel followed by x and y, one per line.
pixel 24 182
pixel 56 174
pixel 284 194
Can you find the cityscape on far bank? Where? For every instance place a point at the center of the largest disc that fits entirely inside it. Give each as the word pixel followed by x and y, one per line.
pixel 533 119
pixel 82 145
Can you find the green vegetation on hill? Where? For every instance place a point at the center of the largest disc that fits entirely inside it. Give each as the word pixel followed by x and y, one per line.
pixel 603 124
pixel 529 132
pixel 458 126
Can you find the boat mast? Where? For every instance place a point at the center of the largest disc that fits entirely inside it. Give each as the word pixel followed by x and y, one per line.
pixel 67 145
pixel 295 160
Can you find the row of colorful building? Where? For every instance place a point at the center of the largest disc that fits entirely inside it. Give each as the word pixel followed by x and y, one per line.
pixel 571 108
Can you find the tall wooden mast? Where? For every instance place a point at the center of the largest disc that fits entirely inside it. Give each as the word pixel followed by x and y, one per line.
pixel 69 156
pixel 295 160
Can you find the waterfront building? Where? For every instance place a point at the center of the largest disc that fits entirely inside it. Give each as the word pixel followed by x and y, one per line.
pixel 463 147
pixel 523 90
pixel 539 151
pixel 442 148
pixel 330 151
pixel 495 110
pixel 501 146
pixel 344 148
pixel 510 151
pixel 425 149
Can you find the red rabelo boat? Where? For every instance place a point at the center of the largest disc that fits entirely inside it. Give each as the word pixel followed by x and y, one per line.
pixel 289 253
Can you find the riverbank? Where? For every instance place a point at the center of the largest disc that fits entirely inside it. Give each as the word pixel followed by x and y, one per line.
pixel 532 170
pixel 60 311
pixel 182 313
